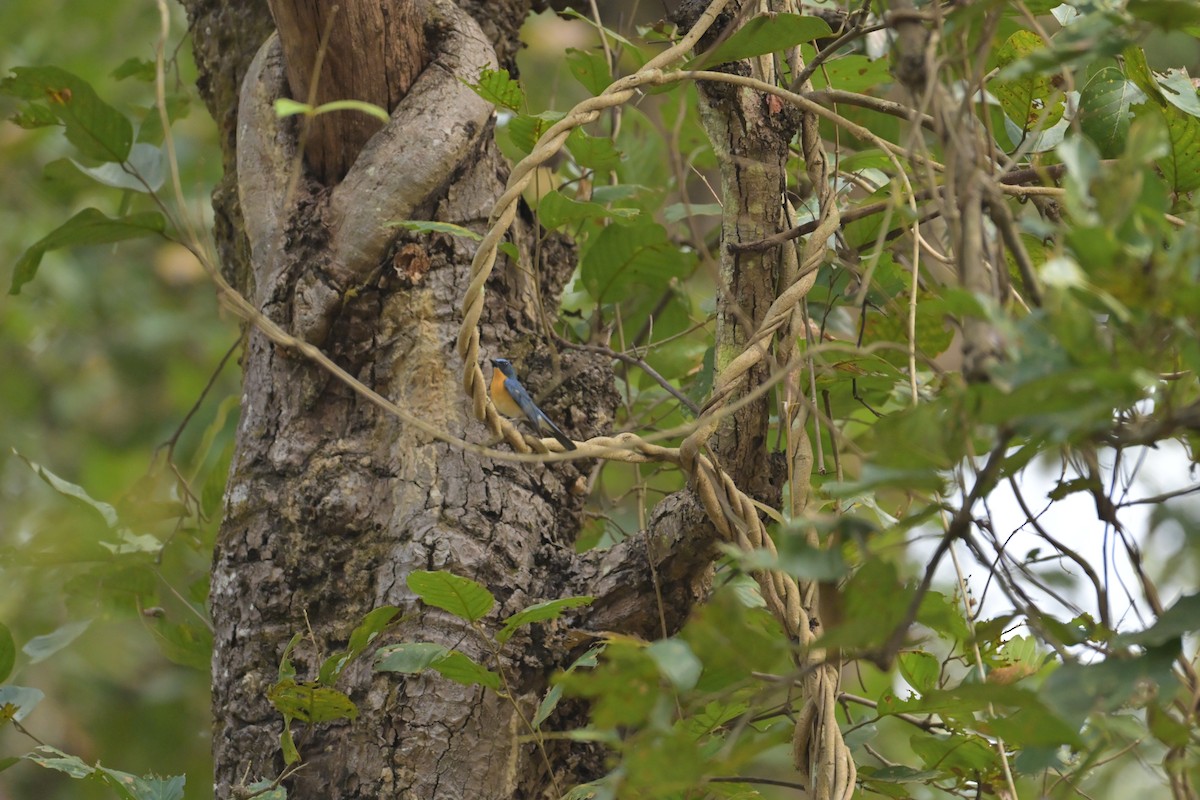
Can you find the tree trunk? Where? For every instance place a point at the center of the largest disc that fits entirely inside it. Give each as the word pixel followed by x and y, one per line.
pixel 331 503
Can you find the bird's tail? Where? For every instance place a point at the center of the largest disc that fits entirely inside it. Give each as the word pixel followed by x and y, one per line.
pixel 560 436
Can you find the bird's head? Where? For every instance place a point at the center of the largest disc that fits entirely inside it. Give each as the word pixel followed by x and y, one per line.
pixel 505 367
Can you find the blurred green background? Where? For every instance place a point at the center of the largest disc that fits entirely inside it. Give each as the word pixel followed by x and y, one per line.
pixel 101 359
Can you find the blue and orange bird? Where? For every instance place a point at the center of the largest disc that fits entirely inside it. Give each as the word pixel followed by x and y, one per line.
pixel 511 400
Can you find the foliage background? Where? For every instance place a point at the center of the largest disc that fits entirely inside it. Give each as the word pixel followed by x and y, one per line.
pixel 102 361
pixel 107 352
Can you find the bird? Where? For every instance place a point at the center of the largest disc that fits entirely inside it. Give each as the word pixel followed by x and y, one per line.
pixel 511 400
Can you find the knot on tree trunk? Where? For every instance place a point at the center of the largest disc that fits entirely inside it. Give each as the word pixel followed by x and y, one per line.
pixel 432 132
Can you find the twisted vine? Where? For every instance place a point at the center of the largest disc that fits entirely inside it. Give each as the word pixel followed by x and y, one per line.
pixel 821 755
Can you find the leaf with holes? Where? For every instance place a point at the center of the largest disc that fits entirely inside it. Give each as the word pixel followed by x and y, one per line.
pixel 96 128
pixel 1181 166
pixel 311 703
pixel 498 88
pixel 1030 100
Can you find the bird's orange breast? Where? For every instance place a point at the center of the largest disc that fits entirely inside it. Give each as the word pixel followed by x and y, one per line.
pixel 501 398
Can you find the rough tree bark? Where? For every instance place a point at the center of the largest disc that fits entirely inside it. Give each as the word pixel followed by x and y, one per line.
pixel 750 133
pixel 330 503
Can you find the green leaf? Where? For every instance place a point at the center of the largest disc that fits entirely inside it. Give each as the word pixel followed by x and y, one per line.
pixel 60 761
pixel 18 701
pixel 129 542
pixel 1016 714
pixel 896 773
pixel 286 669
pixel 509 249
pixel 460 668
pixel 1181 167
pixel 131 787
pixel 1075 690
pixel 87 227
pixel 540 612
pixel 555 210
pixel 623 689
pixel 213 492
pixel 68 489
pixel 550 702
pixel 267 790
pixel 1104 112
pixel 1030 100
pixel 853 73
pixel 799 558
pixel 1167 14
pixel 525 129
pixel 1178 90
pixel 628 256
pixel 39 648
pixel 608 33
pixel 144 171
pixel 287 745
pixel 498 88
pixel 873 478
pixel 371 626
pixel 1034 726
pixel 1181 618
pixel 676 212
pixel 593 152
pixel 942 614
pixel 462 597
pixel 1166 728
pixel 733 640
pixel 310 703
pixel 140 68
pixel 185 643
pixel 8 652
pixel 794 556
pixel 590 68
pixel 765 33
pixel 676 662
pixel 34 116
pixel 875 604
pixel 126 785
pixel 429 226
pixel 920 669
pixel 370 109
pixel 409 657
pixel 955 753
pixel 96 128
pixel 285 107
pixel 152 787
pixel 1138 71
pixel 713 716
pixel 415 657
